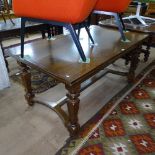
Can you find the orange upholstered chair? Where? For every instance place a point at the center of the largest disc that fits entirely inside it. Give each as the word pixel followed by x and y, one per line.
pixel 114 8
pixel 117 6
pixel 57 12
pixel 70 11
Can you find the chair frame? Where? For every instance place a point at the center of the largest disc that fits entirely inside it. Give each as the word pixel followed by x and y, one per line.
pixel 118 19
pixel 138 16
pixel 70 27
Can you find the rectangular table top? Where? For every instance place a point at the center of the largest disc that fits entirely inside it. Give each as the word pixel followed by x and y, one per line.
pixel 60 58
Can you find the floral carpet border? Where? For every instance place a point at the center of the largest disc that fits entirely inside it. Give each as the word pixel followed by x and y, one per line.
pixel 75 144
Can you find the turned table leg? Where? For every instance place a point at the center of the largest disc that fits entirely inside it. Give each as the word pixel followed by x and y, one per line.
pixel 133 64
pixel 26 79
pixel 73 107
pixel 147 50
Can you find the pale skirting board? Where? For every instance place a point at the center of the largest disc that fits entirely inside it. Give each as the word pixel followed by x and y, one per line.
pixel 4 78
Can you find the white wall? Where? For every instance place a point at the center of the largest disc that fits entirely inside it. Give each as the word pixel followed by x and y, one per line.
pixel 4 79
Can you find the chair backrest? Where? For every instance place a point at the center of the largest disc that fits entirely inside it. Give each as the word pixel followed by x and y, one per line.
pixel 6 5
pixel 117 6
pixel 67 11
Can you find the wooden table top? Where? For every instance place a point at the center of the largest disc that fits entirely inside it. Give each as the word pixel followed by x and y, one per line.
pixel 133 27
pixel 60 58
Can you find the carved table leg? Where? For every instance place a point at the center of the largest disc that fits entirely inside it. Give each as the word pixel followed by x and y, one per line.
pixel 73 107
pixel 127 58
pixel 147 50
pixel 26 79
pixel 133 64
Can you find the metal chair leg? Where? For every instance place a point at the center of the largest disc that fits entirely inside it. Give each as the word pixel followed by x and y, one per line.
pixel 22 33
pixel 49 31
pixel 76 41
pixel 89 20
pixel 84 24
pixel 120 26
pixel 122 22
pixel 79 30
pixel 3 17
pixel 88 32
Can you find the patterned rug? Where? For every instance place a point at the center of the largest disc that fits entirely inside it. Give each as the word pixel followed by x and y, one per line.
pixel 40 82
pixel 125 126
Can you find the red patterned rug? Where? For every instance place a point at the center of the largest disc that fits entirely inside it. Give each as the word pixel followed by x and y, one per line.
pixel 129 129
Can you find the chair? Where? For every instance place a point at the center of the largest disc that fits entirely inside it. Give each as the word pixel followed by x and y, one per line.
pixel 150 9
pixel 113 8
pixel 138 17
pixel 5 10
pixel 55 12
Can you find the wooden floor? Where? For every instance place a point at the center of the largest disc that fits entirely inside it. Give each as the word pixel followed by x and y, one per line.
pixel 38 130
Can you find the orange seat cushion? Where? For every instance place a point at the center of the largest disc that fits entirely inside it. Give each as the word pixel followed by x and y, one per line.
pixel 68 11
pixel 117 6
